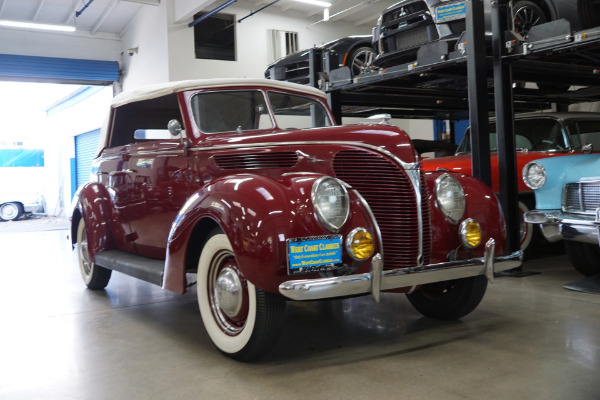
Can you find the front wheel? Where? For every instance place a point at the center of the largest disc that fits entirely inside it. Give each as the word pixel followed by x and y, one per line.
pixel 361 61
pixel 242 321
pixel 585 257
pixel 449 300
pixel 527 14
pixel 11 211
pixel 94 276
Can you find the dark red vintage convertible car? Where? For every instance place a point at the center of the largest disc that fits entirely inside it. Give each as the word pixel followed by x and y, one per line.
pixel 247 190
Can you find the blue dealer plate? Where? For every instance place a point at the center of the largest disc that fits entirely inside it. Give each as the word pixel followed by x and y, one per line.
pixel 450 12
pixel 314 254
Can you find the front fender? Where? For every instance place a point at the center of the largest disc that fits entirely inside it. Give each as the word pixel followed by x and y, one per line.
pixel 258 214
pixel 481 205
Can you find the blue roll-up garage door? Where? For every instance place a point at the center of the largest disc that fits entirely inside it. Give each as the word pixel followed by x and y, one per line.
pixel 85 151
pixel 58 70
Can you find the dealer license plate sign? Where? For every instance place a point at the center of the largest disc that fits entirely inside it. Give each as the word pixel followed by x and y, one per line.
pixel 314 254
pixel 450 12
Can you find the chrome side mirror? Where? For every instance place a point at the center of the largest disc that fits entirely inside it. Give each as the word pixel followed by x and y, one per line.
pixel 174 127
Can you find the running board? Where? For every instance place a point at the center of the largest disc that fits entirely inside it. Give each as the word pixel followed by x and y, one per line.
pixel 146 269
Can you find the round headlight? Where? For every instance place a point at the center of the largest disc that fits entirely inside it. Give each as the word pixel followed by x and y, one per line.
pixel 470 233
pixel 359 244
pixel 534 175
pixel 450 196
pixel 331 202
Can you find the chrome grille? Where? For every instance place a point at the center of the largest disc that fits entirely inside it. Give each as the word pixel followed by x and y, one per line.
pixel 581 197
pixel 390 194
pixel 254 160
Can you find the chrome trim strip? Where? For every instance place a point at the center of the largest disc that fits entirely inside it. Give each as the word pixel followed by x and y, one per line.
pixel 159 153
pixel 359 284
pixel 372 216
pixel 556 225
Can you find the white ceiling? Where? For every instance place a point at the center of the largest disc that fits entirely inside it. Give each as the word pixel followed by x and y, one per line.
pixel 112 16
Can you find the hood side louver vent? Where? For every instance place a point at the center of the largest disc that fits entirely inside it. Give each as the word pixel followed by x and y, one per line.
pixel 256 161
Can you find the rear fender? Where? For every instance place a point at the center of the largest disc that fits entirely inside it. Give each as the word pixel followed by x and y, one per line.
pixel 93 203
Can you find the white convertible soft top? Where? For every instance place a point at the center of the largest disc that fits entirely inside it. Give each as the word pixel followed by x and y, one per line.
pixel 162 89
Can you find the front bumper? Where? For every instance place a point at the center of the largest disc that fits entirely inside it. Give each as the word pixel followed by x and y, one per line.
pixel 377 280
pixel 557 225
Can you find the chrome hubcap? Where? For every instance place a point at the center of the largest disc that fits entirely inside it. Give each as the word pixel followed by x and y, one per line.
pixel 228 292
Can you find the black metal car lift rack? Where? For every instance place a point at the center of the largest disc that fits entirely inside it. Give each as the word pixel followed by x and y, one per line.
pixel 472 82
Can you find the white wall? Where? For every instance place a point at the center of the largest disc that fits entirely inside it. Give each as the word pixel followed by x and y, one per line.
pixel 55 44
pixel 148 32
pixel 251 42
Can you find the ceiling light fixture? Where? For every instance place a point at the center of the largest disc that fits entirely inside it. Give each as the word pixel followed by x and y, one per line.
pixel 35 25
pixel 315 3
pixel 326 14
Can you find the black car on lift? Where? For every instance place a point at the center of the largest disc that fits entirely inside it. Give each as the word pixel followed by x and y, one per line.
pixel 409 24
pixel 354 52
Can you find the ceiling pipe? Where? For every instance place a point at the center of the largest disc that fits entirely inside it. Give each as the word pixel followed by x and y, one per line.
pixel 259 10
pixel 211 13
pixel 78 13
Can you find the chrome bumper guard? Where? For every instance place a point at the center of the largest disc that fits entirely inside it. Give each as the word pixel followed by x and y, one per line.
pixel 557 225
pixel 378 280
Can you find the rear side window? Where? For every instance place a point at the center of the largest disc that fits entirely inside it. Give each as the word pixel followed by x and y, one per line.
pixel 144 120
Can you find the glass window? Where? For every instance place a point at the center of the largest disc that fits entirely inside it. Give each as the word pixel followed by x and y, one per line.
pixel 298 112
pixel 233 110
pixel 585 132
pixel 214 37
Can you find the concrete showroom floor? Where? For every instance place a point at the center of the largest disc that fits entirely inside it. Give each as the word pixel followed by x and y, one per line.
pixel 529 339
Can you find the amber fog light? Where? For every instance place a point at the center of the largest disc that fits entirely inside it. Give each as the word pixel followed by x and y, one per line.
pixel 470 233
pixel 359 244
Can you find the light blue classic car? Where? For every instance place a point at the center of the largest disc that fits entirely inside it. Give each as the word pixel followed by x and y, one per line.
pixel 567 195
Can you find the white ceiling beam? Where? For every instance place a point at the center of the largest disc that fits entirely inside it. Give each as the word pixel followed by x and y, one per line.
pixel 113 4
pixel 349 11
pixel 2 5
pixel 371 20
pixel 71 17
pixel 39 9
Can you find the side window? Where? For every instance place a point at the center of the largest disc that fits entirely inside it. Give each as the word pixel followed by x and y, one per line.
pixel 588 132
pixel 144 120
pixel 214 37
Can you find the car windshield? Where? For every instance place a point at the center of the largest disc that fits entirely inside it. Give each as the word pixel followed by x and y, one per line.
pixel 298 112
pixel 231 110
pixel 241 110
pixel 542 134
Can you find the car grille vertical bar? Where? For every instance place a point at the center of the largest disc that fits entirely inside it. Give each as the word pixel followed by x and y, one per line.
pixel 581 197
pixel 390 193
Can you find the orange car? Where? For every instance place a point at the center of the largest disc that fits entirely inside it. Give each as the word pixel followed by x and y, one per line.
pixel 537 135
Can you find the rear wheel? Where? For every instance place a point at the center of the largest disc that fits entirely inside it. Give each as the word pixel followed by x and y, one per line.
pixel 11 211
pixel 585 257
pixel 242 321
pixel 94 276
pixel 449 300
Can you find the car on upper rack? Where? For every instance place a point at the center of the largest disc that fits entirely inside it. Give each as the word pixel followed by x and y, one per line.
pixel 409 24
pixel 14 205
pixel 354 52
pixel 567 194
pixel 537 135
pixel 246 189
